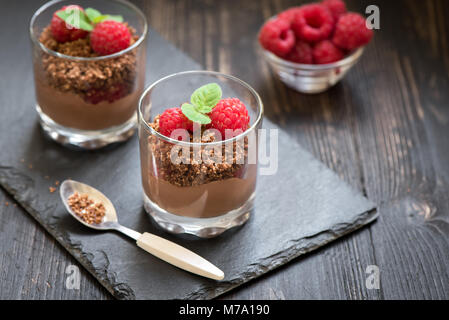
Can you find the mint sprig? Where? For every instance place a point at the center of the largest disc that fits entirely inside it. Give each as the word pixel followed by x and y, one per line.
pixel 202 101
pixel 75 18
pixel 96 16
pixel 191 112
pixel 92 13
pixel 86 20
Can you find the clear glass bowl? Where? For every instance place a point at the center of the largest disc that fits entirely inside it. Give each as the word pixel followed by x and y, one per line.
pixel 89 102
pixel 311 78
pixel 205 194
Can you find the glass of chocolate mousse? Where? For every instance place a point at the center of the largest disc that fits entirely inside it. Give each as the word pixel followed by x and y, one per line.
pixel 89 70
pixel 198 134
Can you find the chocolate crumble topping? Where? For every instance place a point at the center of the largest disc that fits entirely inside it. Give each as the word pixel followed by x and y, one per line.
pixel 196 173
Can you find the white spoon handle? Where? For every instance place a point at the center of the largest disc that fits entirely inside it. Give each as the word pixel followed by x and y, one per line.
pixel 178 256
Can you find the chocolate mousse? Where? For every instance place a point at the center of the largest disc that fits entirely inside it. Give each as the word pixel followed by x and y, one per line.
pixel 87 95
pixel 197 190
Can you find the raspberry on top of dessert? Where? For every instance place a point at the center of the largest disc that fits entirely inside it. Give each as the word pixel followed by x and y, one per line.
pixel 229 117
pixel 63 31
pixel 107 33
pixel 317 33
pixel 109 37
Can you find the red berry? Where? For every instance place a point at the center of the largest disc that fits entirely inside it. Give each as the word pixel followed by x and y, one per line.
pixel 326 52
pixel 109 37
pixel 301 53
pixel 111 93
pixel 172 119
pixel 314 22
pixel 63 32
pixel 276 36
pixel 351 32
pixel 288 14
pixel 230 114
pixel 336 7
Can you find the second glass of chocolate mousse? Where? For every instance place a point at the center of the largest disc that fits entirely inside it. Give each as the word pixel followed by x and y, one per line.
pixel 198 148
pixel 89 70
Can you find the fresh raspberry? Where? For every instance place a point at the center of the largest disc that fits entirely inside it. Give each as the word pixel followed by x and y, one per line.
pixel 326 52
pixel 351 32
pixel 111 93
pixel 301 53
pixel 336 7
pixel 276 36
pixel 109 37
pixel 231 114
pixel 63 32
pixel 314 22
pixel 289 14
pixel 172 119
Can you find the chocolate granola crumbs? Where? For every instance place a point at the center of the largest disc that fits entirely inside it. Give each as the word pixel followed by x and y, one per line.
pixel 87 209
pixel 194 173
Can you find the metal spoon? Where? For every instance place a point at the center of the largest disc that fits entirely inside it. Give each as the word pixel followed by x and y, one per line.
pixel 157 246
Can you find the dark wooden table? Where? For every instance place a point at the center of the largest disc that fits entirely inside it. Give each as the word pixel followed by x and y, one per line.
pixel 384 129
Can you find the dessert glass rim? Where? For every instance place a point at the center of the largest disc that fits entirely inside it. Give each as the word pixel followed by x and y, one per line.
pixel 64 56
pixel 312 67
pixel 204 72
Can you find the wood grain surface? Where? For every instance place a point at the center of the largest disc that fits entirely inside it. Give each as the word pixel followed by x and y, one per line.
pixel 384 129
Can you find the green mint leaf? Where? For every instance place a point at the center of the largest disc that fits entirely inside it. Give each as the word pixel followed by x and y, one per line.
pixel 206 96
pixel 114 18
pixel 85 26
pixel 75 18
pixel 204 109
pixel 105 17
pixel 100 18
pixel 62 14
pixel 84 20
pixel 192 114
pixel 92 13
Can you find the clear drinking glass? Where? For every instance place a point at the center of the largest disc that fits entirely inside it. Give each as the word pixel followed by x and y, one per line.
pixel 89 102
pixel 192 186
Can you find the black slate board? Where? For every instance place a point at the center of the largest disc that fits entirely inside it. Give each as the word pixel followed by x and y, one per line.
pixel 304 206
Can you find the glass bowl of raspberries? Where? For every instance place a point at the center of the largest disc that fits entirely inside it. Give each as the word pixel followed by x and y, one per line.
pixel 311 47
pixel 198 134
